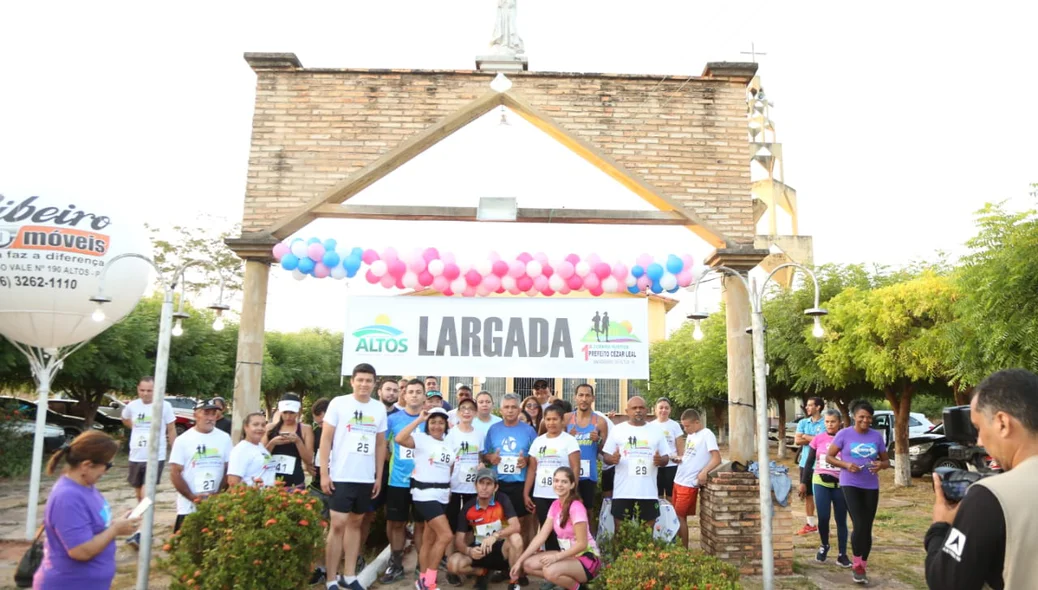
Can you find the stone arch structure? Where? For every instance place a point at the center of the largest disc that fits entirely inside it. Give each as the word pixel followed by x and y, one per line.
pixel 320 136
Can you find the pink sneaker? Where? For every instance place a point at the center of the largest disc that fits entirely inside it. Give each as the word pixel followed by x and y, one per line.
pixel 807 530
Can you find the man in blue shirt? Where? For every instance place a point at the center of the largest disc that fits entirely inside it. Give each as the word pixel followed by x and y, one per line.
pixel 399 508
pixel 507 445
pixel 807 428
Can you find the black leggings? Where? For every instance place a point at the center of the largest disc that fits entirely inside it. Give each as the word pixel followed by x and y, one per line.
pixel 861 504
pixel 543 506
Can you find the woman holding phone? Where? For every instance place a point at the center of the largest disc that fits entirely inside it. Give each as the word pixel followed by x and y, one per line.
pixel 291 443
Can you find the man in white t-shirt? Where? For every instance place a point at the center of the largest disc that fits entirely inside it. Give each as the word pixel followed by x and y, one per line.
pixel 198 461
pixel 352 457
pixel 638 450
pixel 700 458
pixel 137 417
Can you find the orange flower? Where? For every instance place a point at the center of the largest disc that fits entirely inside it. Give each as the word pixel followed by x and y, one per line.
pixel 286 547
pixel 167 547
pixel 638 555
pixel 257 561
pixel 220 518
pixel 270 522
pixel 205 529
pixel 324 523
pixel 198 573
pixel 304 523
pixel 299 500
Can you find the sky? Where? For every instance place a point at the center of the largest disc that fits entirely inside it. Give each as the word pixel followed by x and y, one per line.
pixel 898 120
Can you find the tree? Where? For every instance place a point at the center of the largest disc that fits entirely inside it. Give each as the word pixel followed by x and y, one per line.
pixel 893 338
pixel 307 362
pixel 172 247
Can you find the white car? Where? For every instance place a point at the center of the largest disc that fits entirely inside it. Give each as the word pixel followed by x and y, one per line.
pixel 917 423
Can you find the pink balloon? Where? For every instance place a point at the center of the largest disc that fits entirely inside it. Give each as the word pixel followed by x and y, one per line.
pixel 425 279
pixel 482 290
pixel 280 249
pixel 417 265
pixel 473 278
pixel 369 256
pixel 447 257
pixel 565 269
pixel 388 281
pixel 451 271
pixel 470 291
pixel 516 269
pixel 572 258
pixel 315 252
pixel 591 281
pixel 390 254
pixel 644 260
pixel 547 270
pixel 643 282
pixel 430 254
pixel 540 283
pixel 602 270
pixel 593 259
pixel 524 283
pixel 321 271
pixel 547 292
pixel 565 290
pixel 541 257
pixel 620 271
pixel 524 257
pixel 440 283
pixel 371 278
pixel 687 259
pixel 493 256
pixel 448 292
pixel 399 282
pixel 499 268
pixel 575 283
pixel 397 268
pixel 500 290
pixel 685 277
pixel 595 291
pixel 492 282
pixel 514 291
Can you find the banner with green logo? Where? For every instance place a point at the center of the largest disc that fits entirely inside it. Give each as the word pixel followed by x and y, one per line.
pixel 600 337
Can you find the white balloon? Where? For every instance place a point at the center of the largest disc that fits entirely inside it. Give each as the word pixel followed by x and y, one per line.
pixel 583 268
pixel 534 269
pixel 343 252
pixel 482 290
pixel 668 281
pixel 435 267
pixel 297 274
pixel 611 285
pixel 338 273
pixel 52 253
pixel 630 281
pixel 410 280
pixel 299 249
pixel 378 268
pixel 484 267
pixel 508 283
pixel 556 282
pixel 458 285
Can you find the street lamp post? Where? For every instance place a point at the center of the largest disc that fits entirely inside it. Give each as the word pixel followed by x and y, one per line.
pixel 761 391
pixel 166 331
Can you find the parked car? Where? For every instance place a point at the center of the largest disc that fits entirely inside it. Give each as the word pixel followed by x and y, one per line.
pixel 53 436
pixel 929 451
pixel 917 423
pixel 184 408
pixel 71 425
pixel 112 406
pixel 72 407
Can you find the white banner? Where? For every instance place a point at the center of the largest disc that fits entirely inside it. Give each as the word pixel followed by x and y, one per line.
pixel 498 337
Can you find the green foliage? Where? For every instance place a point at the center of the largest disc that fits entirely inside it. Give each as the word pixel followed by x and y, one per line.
pixel 15 446
pixel 693 374
pixel 670 568
pixel 306 362
pixel 630 534
pixel 172 247
pixel 248 537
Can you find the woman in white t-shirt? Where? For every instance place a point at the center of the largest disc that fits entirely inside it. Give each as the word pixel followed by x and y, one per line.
pixel 430 487
pixel 675 442
pixel 549 451
pixel 251 463
pixel 467 443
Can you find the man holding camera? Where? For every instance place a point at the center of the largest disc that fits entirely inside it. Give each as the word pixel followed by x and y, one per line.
pixel 991 537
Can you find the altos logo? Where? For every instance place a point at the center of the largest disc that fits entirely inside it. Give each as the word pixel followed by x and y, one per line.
pixel 63 235
pixel 380 337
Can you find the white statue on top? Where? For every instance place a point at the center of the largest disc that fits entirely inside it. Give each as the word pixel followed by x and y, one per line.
pixel 506 39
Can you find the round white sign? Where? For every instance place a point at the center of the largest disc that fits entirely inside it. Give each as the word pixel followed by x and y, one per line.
pixel 52 252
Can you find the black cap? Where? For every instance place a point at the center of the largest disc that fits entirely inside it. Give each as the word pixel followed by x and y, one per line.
pixel 206 404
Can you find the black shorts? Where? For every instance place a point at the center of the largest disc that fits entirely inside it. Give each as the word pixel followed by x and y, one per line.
pixel 624 509
pixel 514 491
pixel 496 561
pixel 399 506
pixel 608 475
pixel 586 489
pixel 325 501
pixel 426 511
pixel 810 488
pixel 352 497
pixel 137 472
pixel 665 480
pixel 454 508
pixel 380 500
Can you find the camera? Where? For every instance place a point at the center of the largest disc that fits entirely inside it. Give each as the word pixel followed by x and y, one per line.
pixel 959 429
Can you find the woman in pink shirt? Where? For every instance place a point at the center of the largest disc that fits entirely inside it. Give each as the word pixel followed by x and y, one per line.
pixel 577 563
pixel 825 478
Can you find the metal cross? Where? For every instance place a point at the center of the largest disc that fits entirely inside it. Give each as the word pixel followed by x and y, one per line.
pixel 753 53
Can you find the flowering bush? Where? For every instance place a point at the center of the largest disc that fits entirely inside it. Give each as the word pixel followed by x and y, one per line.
pixel 248 538
pixel 671 568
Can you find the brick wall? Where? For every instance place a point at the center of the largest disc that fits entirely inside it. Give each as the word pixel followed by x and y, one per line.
pixel 730 524
pixel 687 137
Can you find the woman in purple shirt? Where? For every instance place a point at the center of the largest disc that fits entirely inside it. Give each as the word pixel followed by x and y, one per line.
pixel 862 453
pixel 80 548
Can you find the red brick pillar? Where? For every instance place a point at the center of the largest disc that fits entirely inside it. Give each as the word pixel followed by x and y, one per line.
pixel 729 524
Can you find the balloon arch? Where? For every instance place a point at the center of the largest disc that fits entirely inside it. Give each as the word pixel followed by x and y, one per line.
pixel 532 274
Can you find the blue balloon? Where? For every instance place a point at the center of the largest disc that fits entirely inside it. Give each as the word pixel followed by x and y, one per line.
pixel 357 251
pixel 331 259
pixel 674 264
pixel 306 266
pixel 637 271
pixel 350 272
pixel 330 244
pixel 656 287
pixel 655 272
pixel 289 261
pixel 633 290
pixel 674 290
pixel 313 241
pixel 351 264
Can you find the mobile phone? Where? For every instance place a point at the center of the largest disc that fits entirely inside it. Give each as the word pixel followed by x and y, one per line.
pixel 141 508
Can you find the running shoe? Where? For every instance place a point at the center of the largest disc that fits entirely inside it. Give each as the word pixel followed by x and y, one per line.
pixel 419 584
pixel 318 576
pixel 443 563
pixel 394 571
pixel 523 581
pixel 454 579
pixel 823 552
pixel 843 561
pixel 483 583
pixel 807 530
pixel 498 577
pixel 859 575
pixel 513 586
pixel 361 564
pixel 546 585
pixel 354 585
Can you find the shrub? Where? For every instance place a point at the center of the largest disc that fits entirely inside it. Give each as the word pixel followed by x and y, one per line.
pixel 671 568
pixel 248 538
pixel 15 446
pixel 630 534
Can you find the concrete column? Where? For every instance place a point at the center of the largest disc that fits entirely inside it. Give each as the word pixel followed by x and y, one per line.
pixel 249 366
pixel 740 372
